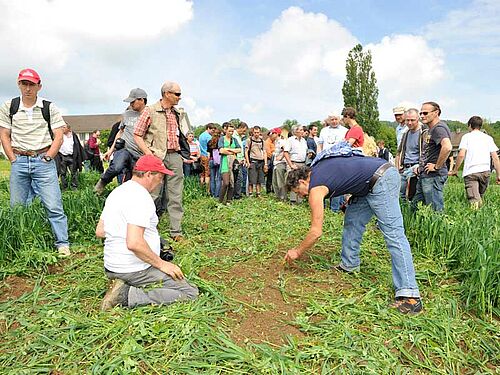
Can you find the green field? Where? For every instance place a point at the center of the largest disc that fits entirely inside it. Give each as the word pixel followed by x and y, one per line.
pixel 254 315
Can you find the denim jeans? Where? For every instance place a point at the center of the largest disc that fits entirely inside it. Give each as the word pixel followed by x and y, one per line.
pixel 430 191
pixel 336 203
pixel 383 202
pixel 33 174
pixel 215 179
pixel 238 176
pixel 121 164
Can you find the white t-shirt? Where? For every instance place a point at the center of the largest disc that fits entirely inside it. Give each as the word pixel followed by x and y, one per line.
pixel 329 136
pixel 129 203
pixel 67 145
pixel 297 149
pixel 479 147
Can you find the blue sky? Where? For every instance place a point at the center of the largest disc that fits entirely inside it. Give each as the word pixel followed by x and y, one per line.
pixel 261 61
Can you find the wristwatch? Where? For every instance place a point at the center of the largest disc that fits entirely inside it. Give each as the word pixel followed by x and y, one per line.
pixel 47 158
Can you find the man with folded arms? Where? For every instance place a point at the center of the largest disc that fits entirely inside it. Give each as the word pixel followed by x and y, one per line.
pixel 132 244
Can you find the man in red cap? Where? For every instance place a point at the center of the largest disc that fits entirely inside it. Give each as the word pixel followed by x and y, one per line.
pixel 132 243
pixel 31 131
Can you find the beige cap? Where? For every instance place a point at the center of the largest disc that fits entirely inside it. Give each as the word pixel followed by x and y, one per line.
pixel 399 110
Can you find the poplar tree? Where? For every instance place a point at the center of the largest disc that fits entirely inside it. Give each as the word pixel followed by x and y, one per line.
pixel 360 89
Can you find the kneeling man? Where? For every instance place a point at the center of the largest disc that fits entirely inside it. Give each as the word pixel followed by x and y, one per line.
pixel 132 244
pixel 374 187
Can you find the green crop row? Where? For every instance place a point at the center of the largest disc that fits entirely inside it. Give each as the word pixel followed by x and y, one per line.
pixel 467 240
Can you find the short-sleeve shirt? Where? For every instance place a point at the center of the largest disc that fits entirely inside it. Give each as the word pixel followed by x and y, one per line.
pixel 329 136
pixel 224 143
pixel 412 151
pixel 29 130
pixel 356 133
pixel 129 119
pixel 432 148
pixel 255 148
pixel 129 203
pixel 479 147
pixel 345 175
pixel 297 149
pixel 205 137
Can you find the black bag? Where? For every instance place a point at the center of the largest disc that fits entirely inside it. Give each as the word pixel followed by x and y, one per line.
pixel 196 167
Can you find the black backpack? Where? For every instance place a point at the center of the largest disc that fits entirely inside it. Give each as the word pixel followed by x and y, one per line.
pixel 14 107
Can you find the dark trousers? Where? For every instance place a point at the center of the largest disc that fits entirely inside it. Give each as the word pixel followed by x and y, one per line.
pixel 238 177
pixel 121 164
pixel 269 177
pixel 96 164
pixel 67 163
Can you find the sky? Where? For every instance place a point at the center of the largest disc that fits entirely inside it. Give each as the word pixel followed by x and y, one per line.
pixel 260 61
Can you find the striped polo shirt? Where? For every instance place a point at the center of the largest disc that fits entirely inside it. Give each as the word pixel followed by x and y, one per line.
pixel 29 130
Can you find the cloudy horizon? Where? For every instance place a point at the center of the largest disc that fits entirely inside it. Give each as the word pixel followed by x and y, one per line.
pixel 263 62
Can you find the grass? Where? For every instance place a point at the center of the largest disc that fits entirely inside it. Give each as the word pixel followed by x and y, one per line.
pixel 255 316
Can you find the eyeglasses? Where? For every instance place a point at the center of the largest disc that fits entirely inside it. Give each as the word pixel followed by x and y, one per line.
pixel 178 94
pixel 427 112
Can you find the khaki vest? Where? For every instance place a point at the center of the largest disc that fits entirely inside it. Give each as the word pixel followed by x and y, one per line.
pixel 156 135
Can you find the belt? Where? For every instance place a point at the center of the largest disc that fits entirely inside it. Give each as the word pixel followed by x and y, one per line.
pixel 30 153
pixel 378 173
pixel 408 165
pixel 171 151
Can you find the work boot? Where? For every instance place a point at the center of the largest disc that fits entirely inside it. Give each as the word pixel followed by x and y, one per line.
pixel 117 294
pixel 99 187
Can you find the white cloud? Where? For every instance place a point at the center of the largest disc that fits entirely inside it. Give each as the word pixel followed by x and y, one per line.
pixel 41 32
pixel 406 66
pixel 252 107
pixel 471 30
pixel 197 115
pixel 299 45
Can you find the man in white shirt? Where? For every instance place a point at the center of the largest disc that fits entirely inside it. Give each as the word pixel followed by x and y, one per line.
pixel 332 133
pixel 477 149
pixel 132 244
pixel 296 154
pixel 70 157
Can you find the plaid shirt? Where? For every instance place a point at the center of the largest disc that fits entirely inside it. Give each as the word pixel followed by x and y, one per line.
pixel 144 121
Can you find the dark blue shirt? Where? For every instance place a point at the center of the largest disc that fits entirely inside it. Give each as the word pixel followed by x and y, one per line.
pixel 345 175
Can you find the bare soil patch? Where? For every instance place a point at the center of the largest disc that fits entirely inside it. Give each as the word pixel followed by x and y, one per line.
pixel 13 287
pixel 267 296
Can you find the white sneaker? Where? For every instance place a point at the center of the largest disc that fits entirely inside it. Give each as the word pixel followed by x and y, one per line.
pixel 64 251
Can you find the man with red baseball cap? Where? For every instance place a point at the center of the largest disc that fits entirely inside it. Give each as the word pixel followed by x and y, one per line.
pixel 31 131
pixel 132 243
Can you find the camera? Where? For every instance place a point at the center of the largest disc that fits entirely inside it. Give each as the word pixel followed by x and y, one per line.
pixel 166 251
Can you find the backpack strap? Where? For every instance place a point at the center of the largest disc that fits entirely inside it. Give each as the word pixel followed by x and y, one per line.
pixel 14 107
pixel 46 116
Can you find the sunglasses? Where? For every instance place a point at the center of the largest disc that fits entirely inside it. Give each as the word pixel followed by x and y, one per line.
pixel 178 94
pixel 426 113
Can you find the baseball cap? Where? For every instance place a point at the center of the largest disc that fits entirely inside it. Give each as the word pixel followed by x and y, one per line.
pixel 399 110
pixel 136 94
pixel 151 163
pixel 28 75
pixel 275 131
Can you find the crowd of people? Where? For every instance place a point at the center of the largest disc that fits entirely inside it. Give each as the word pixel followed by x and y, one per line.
pixel 340 168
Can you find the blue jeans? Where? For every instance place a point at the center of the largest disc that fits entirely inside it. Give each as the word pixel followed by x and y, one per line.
pixel 336 203
pixel 215 179
pixel 430 191
pixel 28 174
pixel 383 202
pixel 121 164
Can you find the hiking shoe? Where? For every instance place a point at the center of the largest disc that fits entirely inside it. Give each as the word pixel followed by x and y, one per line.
pixel 178 238
pixel 338 267
pixel 408 305
pixel 117 294
pixel 99 187
pixel 64 251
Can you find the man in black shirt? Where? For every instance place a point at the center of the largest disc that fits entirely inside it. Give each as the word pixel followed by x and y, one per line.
pixel 432 171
